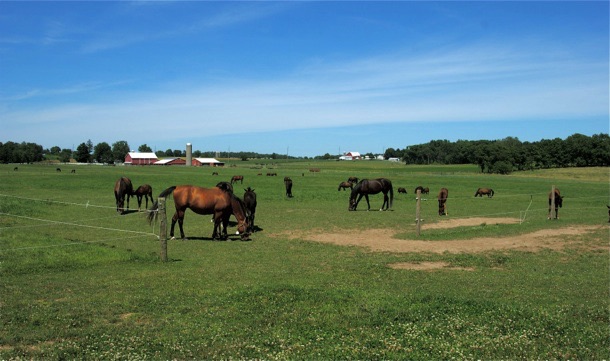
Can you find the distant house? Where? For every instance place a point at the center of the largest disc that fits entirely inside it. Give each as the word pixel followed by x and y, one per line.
pixel 207 162
pixel 350 156
pixel 393 159
pixel 171 161
pixel 137 158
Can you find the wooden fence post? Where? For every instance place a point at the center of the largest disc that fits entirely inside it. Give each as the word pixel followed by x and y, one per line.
pixel 417 212
pixel 163 229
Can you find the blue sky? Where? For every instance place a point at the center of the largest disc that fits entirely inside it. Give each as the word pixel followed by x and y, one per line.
pixel 303 78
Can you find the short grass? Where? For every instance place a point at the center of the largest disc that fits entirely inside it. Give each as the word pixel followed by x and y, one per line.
pixel 79 281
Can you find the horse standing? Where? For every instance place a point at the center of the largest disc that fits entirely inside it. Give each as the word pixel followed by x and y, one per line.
pixel 344 185
pixel 214 201
pixel 237 178
pixel 122 189
pixel 484 191
pixel 145 191
pixel 558 202
pixel 250 202
pixel 372 186
pixel 442 202
pixel 288 184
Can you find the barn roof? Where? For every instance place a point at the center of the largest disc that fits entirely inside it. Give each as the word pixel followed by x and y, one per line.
pixel 142 155
pixel 207 160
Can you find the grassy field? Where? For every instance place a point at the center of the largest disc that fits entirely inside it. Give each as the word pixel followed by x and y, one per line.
pixel 79 281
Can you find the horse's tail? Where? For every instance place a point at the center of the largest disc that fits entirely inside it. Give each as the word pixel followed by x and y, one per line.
pixel 152 212
pixel 391 195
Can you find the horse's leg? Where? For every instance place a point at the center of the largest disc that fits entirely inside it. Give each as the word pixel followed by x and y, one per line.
pixel 386 202
pixel 139 198
pixel 180 216
pixel 358 200
pixel 366 196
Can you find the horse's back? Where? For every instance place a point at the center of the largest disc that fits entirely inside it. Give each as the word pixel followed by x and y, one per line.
pixel 201 200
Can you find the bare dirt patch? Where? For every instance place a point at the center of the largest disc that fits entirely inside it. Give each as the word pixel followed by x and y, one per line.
pixel 427 266
pixel 383 240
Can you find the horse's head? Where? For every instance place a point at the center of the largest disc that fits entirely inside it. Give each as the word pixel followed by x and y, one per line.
pixel 242 230
pixel 352 204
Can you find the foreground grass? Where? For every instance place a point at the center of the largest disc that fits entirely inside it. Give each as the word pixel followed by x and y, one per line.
pixel 93 292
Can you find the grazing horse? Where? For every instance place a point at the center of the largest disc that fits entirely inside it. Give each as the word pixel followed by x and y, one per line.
pixel 205 201
pixel 442 202
pixel 558 202
pixel 422 190
pixel 345 185
pixel 484 191
pixel 16 168
pixel 372 186
pixel 237 178
pixel 145 191
pixel 122 189
pixel 58 170
pixel 250 202
pixel 288 184
pixel 352 180
pixel 402 190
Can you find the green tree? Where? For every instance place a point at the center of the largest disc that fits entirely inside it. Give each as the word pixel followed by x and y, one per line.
pixel 55 150
pixel 65 155
pixel 144 149
pixel 82 154
pixel 120 150
pixel 102 153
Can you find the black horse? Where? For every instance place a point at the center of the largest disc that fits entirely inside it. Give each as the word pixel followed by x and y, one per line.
pixel 372 186
pixel 443 194
pixel 558 202
pixel 288 184
pixel 250 202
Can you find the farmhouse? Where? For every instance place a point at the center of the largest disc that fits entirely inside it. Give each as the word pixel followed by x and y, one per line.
pixel 137 158
pixel 207 162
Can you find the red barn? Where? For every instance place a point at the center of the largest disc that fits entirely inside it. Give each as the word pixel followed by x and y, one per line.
pixel 137 158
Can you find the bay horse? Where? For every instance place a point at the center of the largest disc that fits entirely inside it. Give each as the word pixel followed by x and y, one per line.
pixel 122 189
pixel 345 185
pixel 237 178
pixel 288 184
pixel 558 202
pixel 145 191
pixel 442 202
pixel 484 191
pixel 200 200
pixel 250 202
pixel 372 186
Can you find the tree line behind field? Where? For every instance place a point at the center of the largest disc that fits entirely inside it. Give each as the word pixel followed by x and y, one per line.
pixel 492 156
pixel 510 154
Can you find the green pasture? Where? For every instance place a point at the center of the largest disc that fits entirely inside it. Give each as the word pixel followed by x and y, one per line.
pixel 79 281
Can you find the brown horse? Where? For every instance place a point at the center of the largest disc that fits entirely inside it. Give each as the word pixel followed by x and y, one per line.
pixel 237 178
pixel 214 201
pixel 145 191
pixel 484 191
pixel 353 180
pixel 372 186
pixel 558 202
pixel 344 185
pixel 442 202
pixel 402 190
pixel 250 202
pixel 422 190
pixel 122 189
pixel 288 185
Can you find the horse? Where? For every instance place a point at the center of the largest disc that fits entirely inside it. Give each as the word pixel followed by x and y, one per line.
pixel 484 191
pixel 422 190
pixel 200 200
pixel 73 171
pixel 558 202
pixel 352 180
pixel 608 214
pixel 237 178
pixel 145 191
pixel 372 186
pixel 122 189
pixel 214 173
pixel 226 186
pixel 345 185
pixel 250 202
pixel 16 169
pixel 58 169
pixel 288 184
pixel 402 190
pixel 442 200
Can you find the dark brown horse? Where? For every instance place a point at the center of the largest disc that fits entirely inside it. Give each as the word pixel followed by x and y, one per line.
pixel 344 185
pixel 214 201
pixel 422 190
pixel 442 202
pixel 402 190
pixel 353 180
pixel 288 185
pixel 145 191
pixel 250 202
pixel 237 178
pixel 372 186
pixel 558 202
pixel 226 186
pixel 484 191
pixel 122 189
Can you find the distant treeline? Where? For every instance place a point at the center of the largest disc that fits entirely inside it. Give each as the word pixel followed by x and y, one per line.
pixel 510 154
